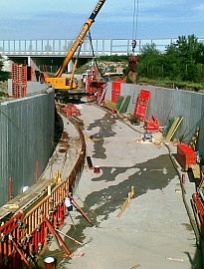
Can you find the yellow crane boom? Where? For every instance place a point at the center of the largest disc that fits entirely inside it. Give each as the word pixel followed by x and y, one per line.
pixel 65 84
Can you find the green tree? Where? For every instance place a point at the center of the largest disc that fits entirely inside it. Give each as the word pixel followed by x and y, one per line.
pixel 181 62
pixel 185 57
pixel 4 75
pixel 148 61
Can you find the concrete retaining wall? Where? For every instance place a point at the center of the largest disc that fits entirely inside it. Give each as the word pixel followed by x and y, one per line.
pixel 168 103
pixel 26 141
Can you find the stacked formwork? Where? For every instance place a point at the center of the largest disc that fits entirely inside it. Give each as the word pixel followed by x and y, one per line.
pixel 19 81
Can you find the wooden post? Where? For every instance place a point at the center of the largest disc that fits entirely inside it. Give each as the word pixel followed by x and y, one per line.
pixel 57 236
pixel 10 189
pixel 80 209
pixel 37 170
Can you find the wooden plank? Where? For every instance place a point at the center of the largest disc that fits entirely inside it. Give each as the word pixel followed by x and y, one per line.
pixel 110 105
pixel 131 193
pixel 196 170
pixel 173 128
pixel 124 104
pixel 119 101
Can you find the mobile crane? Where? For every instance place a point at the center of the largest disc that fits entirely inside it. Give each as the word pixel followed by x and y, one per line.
pixel 66 87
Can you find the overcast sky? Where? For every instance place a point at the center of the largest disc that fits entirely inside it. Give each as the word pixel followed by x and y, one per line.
pixel 118 19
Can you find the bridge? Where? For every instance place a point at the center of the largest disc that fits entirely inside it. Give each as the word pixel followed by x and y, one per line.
pixel 50 52
pixel 59 47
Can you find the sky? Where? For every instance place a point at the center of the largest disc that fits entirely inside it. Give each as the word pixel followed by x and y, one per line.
pixel 118 19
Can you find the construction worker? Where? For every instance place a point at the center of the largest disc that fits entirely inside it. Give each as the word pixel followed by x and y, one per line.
pixel 69 206
pixel 68 203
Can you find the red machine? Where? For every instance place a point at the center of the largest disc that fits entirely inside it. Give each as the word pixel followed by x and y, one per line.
pixel 94 84
pixel 151 124
pixel 186 156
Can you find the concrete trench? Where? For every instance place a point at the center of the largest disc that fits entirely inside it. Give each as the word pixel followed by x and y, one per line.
pixel 154 230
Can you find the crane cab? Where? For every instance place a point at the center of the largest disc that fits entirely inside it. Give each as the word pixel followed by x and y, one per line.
pixel 62 83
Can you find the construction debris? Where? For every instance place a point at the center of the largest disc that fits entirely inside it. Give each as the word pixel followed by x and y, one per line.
pixel 174 259
pixel 127 202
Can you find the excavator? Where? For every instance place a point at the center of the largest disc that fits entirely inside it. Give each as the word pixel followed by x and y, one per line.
pixel 67 88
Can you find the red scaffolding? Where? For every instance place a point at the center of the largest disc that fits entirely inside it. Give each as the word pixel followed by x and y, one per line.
pixel 19 81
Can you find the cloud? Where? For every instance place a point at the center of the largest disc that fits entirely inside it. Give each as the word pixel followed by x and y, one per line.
pixel 199 7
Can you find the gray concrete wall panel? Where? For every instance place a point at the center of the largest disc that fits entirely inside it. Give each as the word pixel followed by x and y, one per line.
pixel 201 134
pixel 27 135
pixel 3 153
pixel 169 103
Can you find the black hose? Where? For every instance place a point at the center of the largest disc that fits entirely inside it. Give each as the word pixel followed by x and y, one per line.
pixel 189 212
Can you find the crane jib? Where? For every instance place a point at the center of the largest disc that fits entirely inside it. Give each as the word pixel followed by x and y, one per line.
pixel 80 38
pixel 97 9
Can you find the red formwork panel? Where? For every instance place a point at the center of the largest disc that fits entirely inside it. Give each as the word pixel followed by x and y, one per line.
pixel 140 110
pixel 142 104
pixel 116 89
pixel 114 96
pixel 186 156
pixel 145 95
pixel 116 85
pixel 10 232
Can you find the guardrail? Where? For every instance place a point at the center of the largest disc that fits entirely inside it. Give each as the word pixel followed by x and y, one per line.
pixel 59 47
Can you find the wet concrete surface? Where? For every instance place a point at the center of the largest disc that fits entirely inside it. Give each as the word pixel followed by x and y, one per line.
pixel 154 230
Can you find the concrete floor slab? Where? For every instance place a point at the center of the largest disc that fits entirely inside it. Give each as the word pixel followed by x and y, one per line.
pixel 154 230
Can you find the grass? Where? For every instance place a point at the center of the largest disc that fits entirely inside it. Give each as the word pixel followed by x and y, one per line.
pixel 185 85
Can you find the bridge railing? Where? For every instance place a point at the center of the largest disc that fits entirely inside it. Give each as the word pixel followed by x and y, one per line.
pixel 60 46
